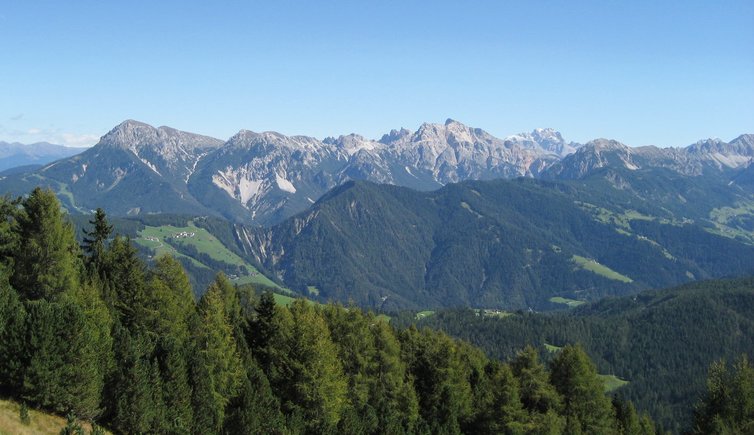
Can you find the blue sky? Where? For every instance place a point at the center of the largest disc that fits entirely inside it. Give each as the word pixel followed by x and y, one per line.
pixel 665 73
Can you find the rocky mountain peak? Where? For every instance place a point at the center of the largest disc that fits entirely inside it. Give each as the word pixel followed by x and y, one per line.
pixel 135 135
pixel 602 144
pixel 395 135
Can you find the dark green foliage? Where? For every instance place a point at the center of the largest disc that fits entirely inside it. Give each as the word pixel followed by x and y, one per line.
pixel 46 259
pixel 500 244
pixel 125 274
pixel 318 384
pixel 62 370
pixel 662 342
pixel 265 331
pixel 256 409
pixel 72 426
pixel 129 346
pixel 728 407
pixel 440 369
pixel 96 239
pixel 12 336
pixel 9 237
pixel 498 405
pixel 585 405
pixel 23 413
pixel 537 394
pixel 138 404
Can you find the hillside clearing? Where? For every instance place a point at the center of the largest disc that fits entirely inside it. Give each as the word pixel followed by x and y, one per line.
pixel 612 382
pixel 572 303
pixel 165 240
pixel 600 269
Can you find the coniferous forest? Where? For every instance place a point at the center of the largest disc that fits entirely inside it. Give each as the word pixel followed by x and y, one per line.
pixel 95 332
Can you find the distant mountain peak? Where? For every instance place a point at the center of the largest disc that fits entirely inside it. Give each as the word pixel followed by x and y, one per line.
pixel 604 144
pixel 395 135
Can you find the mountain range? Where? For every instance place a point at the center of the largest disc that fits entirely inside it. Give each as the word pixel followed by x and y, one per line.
pixel 510 244
pixel 264 178
pixel 15 155
pixel 447 215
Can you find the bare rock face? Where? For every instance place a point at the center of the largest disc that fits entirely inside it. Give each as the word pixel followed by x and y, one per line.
pixel 274 176
pixel 266 177
pixel 694 160
pixel 168 152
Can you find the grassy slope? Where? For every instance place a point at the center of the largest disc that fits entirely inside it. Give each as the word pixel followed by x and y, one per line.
pixel 599 269
pixel 39 422
pixel 570 302
pixel 612 382
pixel 204 242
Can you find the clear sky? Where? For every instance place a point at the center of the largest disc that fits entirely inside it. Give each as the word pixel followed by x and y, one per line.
pixel 643 72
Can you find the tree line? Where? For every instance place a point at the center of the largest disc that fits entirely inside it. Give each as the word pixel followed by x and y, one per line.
pixel 661 341
pixel 93 331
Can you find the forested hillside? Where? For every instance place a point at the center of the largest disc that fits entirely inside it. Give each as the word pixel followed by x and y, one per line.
pixel 661 342
pixel 94 332
pixel 511 244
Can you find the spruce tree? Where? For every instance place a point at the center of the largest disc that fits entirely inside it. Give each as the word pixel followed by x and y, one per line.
pixel 23 414
pixel 95 241
pixel 586 407
pixel 264 331
pixel 125 277
pixel 728 406
pixel 63 370
pixel 138 399
pixel 46 261
pixel 9 237
pixel 537 394
pixel 255 409
pixel 12 336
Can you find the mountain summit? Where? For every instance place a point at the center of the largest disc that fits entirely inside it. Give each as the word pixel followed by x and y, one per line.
pixel 266 177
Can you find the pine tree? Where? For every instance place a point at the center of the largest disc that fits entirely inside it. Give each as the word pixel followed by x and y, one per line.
pixel 627 418
pixel 441 369
pixel 12 336
pixel 46 261
pixel 63 370
pixel 95 240
pixel 256 409
pixel 138 400
pixel 350 331
pixel 586 407
pixel 537 394
pixel 9 238
pixel 125 277
pixel 72 426
pixel 264 331
pixel 728 407
pixel 169 312
pixel 98 345
pixel 498 407
pixel 23 414
pixel 172 355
